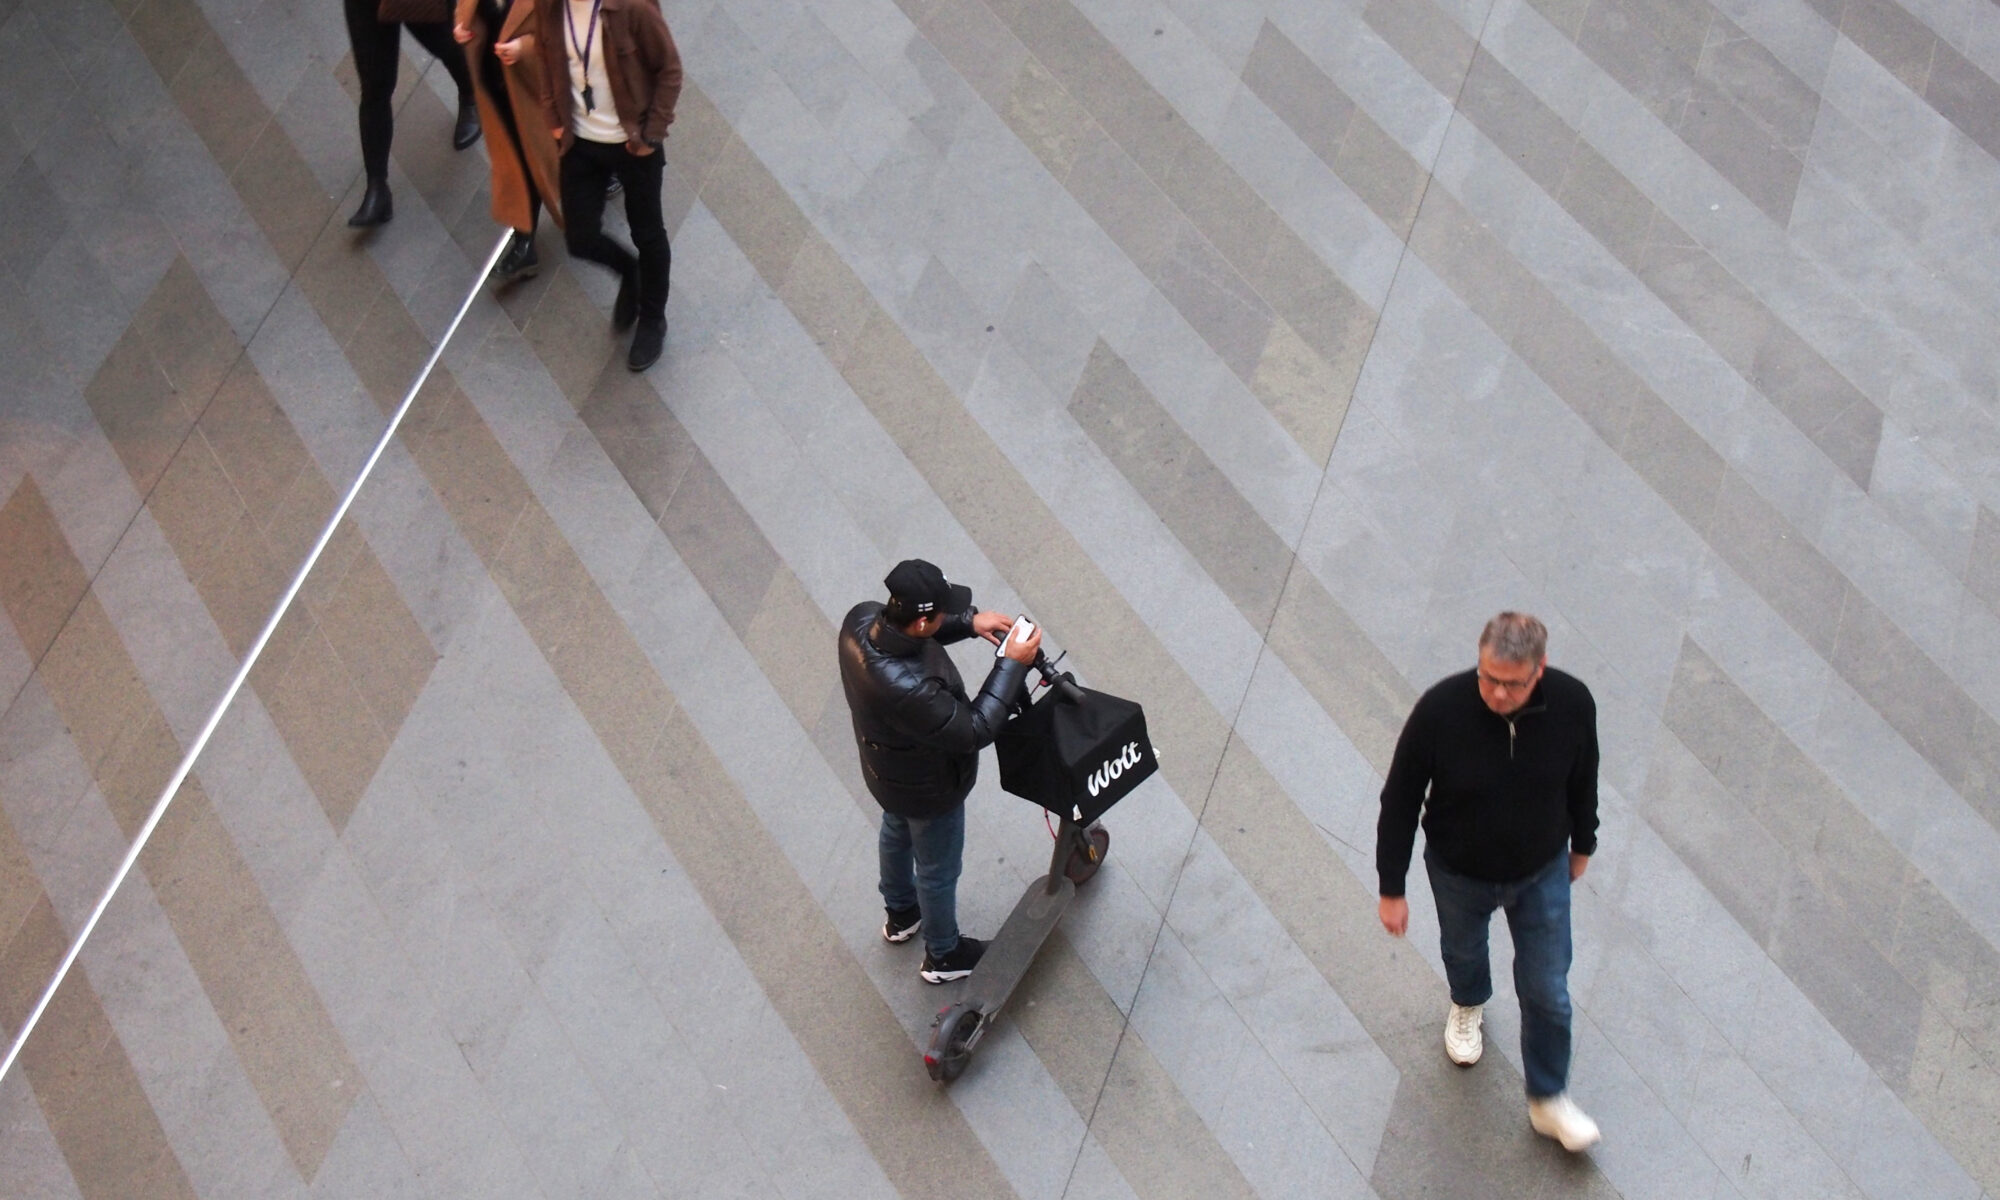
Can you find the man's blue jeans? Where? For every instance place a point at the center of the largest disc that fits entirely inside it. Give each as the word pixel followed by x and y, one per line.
pixel 1537 911
pixel 920 864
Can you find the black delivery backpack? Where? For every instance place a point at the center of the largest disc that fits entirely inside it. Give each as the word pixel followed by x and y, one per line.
pixel 1075 752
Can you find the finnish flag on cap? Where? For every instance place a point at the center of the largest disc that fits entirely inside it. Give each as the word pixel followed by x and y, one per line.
pixel 918 589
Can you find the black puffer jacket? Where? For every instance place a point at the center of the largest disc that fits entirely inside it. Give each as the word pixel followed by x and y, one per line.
pixel 918 733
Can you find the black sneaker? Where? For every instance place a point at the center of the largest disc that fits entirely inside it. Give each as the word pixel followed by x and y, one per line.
pixel 647 342
pixel 902 924
pixel 625 309
pixel 519 261
pixel 956 964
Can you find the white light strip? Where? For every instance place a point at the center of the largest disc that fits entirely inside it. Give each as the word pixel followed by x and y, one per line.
pixel 243 672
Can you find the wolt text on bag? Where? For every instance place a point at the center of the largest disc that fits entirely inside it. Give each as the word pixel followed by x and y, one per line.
pixel 1076 759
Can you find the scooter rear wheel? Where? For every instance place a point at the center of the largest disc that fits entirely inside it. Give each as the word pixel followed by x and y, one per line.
pixel 951 1038
pixel 1084 863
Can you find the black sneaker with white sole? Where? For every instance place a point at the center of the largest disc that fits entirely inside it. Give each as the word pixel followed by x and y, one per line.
pixel 901 924
pixel 956 963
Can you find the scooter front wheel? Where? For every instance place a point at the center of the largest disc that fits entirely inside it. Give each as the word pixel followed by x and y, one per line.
pixel 952 1036
pixel 1088 856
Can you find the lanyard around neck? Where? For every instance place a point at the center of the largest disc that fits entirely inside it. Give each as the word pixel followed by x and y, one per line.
pixel 590 34
pixel 583 51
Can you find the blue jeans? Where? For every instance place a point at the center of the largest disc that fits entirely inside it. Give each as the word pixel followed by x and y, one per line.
pixel 920 863
pixel 1537 911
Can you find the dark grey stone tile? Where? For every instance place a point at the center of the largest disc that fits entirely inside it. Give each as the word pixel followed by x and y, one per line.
pixel 1428 40
pixel 1667 452
pixel 1566 15
pixel 1743 151
pixel 1124 203
pixel 1465 254
pixel 1892 37
pixel 1294 88
pixel 1517 121
pixel 1382 173
pixel 1847 979
pixel 1221 306
pixel 1700 291
pixel 1581 370
pixel 1795 579
pixel 1982 569
pixel 1181 485
pixel 1920 702
pixel 1739 66
pixel 1228 211
pixel 1485 1145
pixel 35 220
pixel 1853 438
pixel 641 437
pixel 1736 859
pixel 1966 96
pixel 1616 41
pixel 1681 26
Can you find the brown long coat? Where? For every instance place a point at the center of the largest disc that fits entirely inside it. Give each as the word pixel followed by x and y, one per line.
pixel 524 92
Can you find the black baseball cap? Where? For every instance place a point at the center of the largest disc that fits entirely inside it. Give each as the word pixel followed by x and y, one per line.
pixel 918 589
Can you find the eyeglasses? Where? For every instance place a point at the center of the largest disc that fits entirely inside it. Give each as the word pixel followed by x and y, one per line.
pixel 1510 685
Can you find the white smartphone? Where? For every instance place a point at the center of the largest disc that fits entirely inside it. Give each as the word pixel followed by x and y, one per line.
pixel 1023 629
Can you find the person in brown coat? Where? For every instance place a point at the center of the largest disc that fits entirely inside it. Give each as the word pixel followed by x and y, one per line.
pixel 499 37
pixel 374 33
pixel 611 78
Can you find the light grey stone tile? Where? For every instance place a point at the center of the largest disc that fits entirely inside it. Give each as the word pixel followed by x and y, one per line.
pixel 1168 55
pixel 566 1129
pixel 211 1115
pixel 365 1160
pixel 29 1155
pixel 1232 1083
pixel 427 1093
pixel 1315 1042
pixel 947 325
pixel 1046 330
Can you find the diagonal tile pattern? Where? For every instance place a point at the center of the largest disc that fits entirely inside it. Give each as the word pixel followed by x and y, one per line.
pixel 1262 348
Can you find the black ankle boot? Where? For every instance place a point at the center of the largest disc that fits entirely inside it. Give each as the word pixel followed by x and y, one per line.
pixel 466 131
pixel 376 207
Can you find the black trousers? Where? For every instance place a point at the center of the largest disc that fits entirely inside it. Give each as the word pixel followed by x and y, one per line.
pixel 587 169
pixel 376 45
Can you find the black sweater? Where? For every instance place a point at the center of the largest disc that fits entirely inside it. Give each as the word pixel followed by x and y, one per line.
pixel 1505 793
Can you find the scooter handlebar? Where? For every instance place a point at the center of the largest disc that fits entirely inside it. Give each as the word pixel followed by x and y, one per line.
pixel 1061 682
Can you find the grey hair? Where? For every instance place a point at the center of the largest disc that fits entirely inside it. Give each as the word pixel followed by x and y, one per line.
pixel 1515 637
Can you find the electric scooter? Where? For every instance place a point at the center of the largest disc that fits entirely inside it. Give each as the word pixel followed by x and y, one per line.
pixel 1079 852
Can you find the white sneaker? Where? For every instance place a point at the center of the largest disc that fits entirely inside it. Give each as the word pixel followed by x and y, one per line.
pixel 1558 1117
pixel 1463 1042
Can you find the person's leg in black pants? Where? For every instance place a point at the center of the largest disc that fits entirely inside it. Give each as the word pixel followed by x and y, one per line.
pixel 642 175
pixel 586 167
pixel 437 39
pixel 374 45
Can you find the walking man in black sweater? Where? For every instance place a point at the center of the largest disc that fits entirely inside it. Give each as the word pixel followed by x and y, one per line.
pixel 1501 762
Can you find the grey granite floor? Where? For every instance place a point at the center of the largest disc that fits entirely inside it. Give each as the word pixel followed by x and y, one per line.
pixel 1260 348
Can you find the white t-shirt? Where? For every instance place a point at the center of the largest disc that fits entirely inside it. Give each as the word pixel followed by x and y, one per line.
pixel 599 121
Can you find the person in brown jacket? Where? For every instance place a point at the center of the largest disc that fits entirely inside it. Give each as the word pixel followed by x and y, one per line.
pixel 611 79
pixel 499 37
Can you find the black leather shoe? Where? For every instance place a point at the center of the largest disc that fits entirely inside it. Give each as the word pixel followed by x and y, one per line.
pixel 519 261
pixel 376 207
pixel 647 342
pixel 625 309
pixel 466 131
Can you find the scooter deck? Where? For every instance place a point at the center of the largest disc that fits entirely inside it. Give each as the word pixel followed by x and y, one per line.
pixel 1011 951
